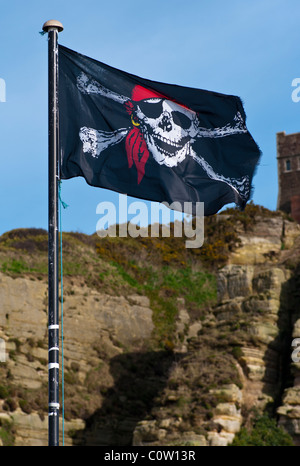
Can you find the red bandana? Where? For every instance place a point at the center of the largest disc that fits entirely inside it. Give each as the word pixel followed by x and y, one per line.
pixel 136 147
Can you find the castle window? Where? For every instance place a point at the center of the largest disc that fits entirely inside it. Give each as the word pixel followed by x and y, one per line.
pixel 298 159
pixel 287 165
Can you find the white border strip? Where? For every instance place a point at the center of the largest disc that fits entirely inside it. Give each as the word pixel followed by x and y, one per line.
pixel 53 365
pixel 54 405
pixel 54 348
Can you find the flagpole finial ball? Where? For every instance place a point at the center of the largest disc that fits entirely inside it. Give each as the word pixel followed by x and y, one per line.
pixel 52 24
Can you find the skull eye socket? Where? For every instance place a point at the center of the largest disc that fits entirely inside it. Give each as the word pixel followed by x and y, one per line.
pixel 181 120
pixel 152 108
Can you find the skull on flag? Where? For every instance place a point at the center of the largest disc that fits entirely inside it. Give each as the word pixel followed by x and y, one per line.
pixel 161 127
pixel 166 126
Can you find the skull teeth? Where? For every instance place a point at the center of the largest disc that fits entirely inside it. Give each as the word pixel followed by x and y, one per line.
pixel 168 147
pixel 173 144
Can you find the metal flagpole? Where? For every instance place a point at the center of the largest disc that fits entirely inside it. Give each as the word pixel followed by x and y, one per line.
pixel 52 27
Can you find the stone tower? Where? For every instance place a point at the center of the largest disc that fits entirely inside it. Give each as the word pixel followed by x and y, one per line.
pixel 288 163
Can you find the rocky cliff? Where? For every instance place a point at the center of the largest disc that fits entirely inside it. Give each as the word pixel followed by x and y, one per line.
pixel 162 345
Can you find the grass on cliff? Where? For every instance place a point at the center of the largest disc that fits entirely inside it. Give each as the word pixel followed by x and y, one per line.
pixel 263 433
pixel 7 433
pixel 161 268
pixel 166 272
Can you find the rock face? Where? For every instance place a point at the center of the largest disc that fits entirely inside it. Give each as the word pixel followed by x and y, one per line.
pixel 235 358
pixel 257 291
pixel 266 240
pixel 252 297
pixel 260 283
pixel 227 415
pixel 256 304
pixel 91 321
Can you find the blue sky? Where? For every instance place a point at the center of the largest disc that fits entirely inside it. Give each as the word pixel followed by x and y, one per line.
pixel 249 49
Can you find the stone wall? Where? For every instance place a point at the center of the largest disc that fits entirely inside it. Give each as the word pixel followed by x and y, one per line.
pixel 288 151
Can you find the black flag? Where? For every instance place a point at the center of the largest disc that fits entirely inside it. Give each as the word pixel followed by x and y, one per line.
pixel 151 140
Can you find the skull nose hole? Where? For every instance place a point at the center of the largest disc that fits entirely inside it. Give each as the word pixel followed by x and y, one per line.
pixel 165 123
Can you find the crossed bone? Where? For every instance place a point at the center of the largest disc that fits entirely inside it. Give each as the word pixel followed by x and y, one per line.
pixel 96 141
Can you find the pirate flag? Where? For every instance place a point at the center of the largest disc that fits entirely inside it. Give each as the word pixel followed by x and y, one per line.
pixel 151 140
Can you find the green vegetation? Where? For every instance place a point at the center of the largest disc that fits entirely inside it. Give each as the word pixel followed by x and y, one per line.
pixel 7 433
pixel 14 266
pixel 162 281
pixel 161 268
pixel 172 277
pixel 264 433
